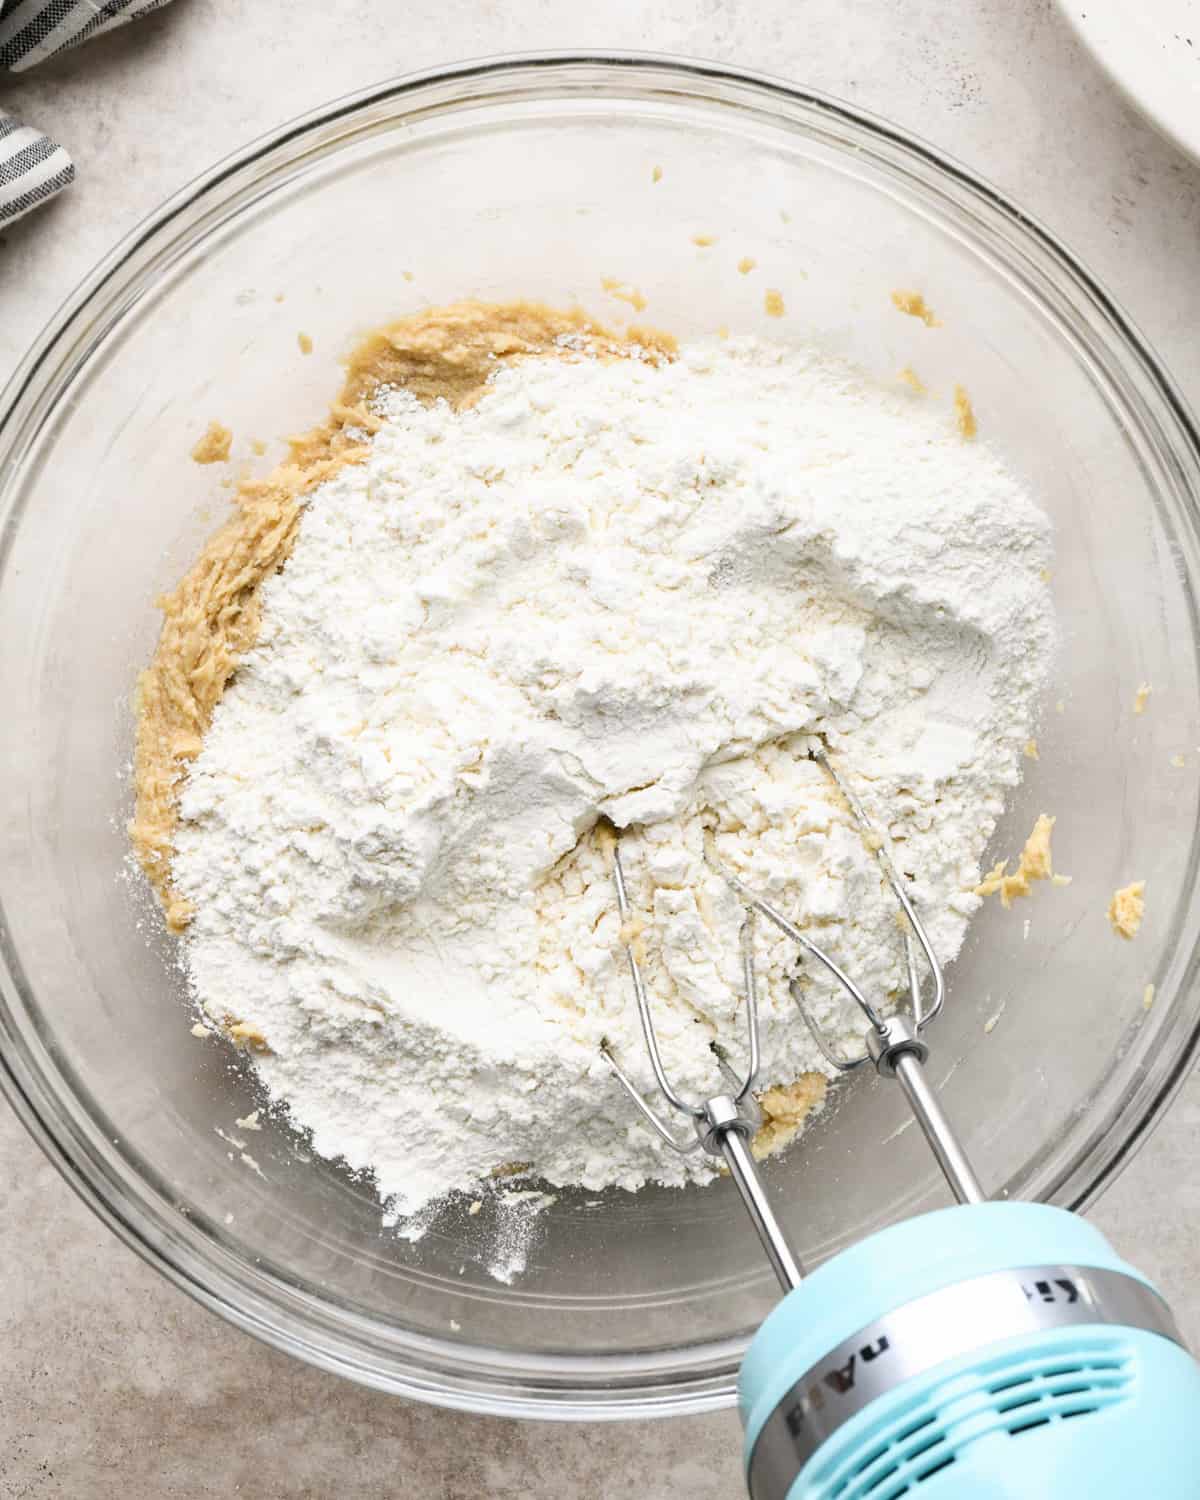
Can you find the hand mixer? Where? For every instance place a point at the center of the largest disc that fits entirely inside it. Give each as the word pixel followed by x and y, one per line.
pixel 990 1350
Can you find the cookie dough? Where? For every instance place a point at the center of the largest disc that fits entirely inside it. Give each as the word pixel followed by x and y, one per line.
pixel 964 414
pixel 785 1110
pixel 1126 909
pixel 911 379
pixel 214 446
pixel 1036 863
pixel 914 305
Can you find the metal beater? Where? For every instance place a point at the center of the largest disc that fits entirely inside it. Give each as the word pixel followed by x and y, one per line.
pixel 725 1123
pixel 919 1355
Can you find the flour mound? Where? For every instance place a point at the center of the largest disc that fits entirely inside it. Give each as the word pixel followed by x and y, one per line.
pixel 614 589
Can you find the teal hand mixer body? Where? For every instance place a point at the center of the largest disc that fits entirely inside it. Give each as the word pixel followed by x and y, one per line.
pixel 989 1351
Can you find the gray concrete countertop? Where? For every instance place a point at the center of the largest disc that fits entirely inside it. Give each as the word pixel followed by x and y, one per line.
pixel 116 1385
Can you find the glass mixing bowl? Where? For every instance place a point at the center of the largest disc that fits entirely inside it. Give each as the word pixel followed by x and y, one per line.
pixel 537 178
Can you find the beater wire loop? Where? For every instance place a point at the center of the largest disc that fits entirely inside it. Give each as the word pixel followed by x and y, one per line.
pixel 740 1086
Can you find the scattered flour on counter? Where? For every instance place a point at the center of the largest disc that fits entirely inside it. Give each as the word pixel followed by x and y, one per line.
pixel 608 589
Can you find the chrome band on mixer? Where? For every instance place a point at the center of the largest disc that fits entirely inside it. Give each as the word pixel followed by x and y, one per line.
pixel 923 1334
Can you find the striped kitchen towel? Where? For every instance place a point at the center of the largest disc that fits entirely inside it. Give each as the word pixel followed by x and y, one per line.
pixel 32 166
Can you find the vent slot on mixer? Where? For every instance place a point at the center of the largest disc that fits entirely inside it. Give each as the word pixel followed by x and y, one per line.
pixel 1012 1395
pixel 1057 1393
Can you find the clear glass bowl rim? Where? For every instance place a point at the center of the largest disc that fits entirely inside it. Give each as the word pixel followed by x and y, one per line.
pixel 127 1194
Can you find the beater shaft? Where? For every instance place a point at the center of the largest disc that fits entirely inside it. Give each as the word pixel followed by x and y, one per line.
pixel 735 1148
pixel 724 1123
pixel 723 1128
pixel 936 1129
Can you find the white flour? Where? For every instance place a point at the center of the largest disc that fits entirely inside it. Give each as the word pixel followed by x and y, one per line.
pixel 610 588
